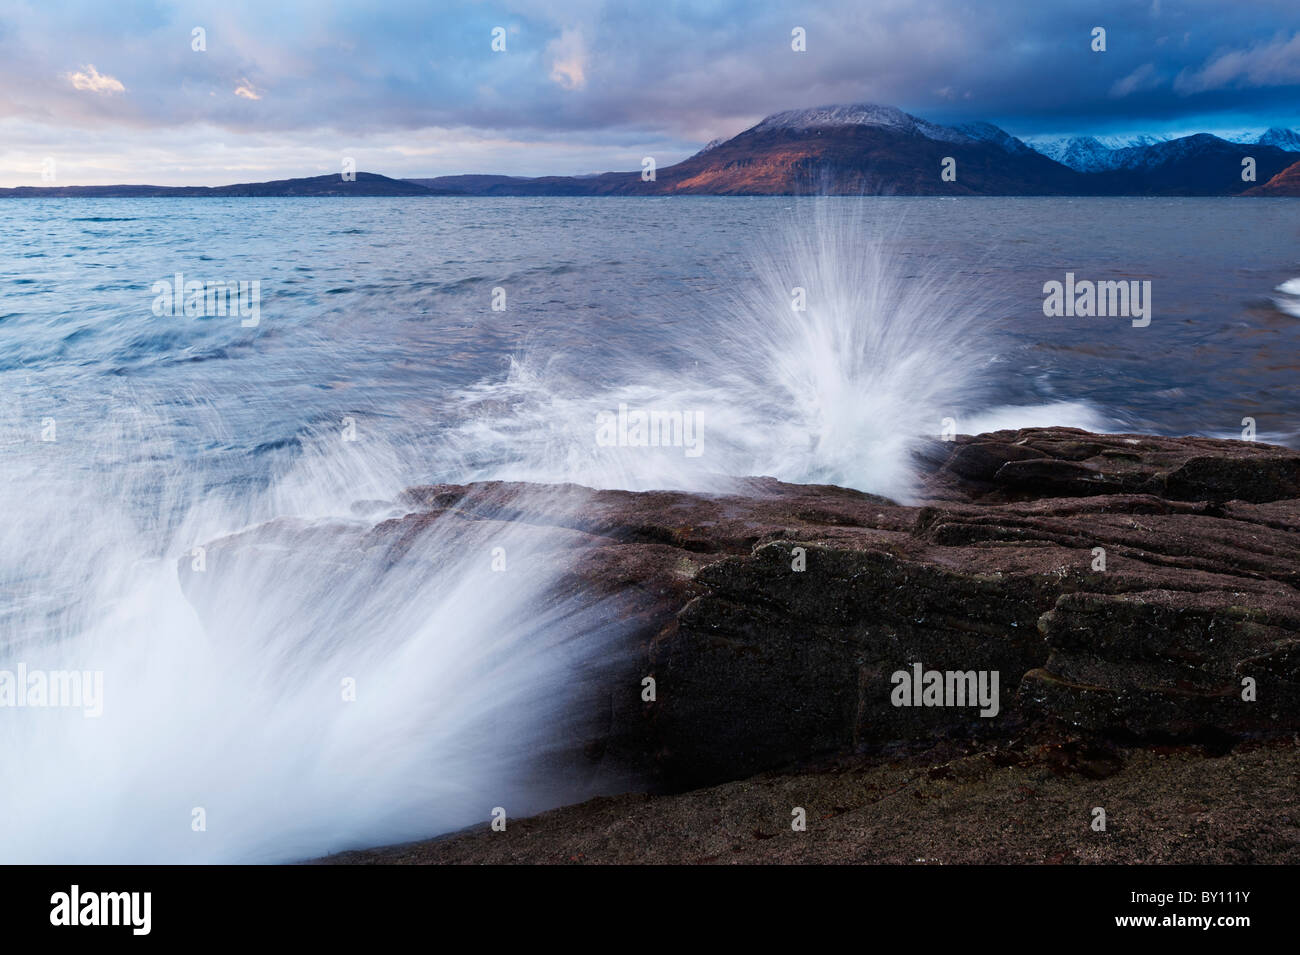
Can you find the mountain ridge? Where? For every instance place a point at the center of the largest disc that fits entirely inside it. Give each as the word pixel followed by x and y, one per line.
pixel 1285 184
pixel 847 149
pixel 867 148
pixel 1105 153
pixel 368 184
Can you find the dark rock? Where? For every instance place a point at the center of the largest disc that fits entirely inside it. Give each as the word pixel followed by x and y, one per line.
pixel 761 665
pixel 1030 806
pixel 1065 462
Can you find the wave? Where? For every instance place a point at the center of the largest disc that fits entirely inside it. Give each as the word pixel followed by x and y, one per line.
pixel 297 694
pixel 833 364
pixel 226 670
pixel 1289 300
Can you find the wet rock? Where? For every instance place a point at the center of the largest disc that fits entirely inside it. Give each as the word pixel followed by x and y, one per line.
pixel 1029 806
pixel 1126 587
pixel 1065 462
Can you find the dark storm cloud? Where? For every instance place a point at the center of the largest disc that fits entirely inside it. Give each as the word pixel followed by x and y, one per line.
pixel 592 76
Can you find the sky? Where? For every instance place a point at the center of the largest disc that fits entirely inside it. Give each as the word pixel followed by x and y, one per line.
pixel 109 92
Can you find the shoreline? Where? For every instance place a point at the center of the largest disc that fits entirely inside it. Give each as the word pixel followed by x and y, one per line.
pixel 1030 806
pixel 1161 684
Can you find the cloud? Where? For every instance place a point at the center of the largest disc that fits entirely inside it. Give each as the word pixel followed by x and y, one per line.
pixel 568 55
pixel 1276 63
pixel 1144 77
pixel 91 80
pixel 619 81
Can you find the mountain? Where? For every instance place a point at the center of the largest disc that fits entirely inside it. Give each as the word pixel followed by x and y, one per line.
pixel 853 149
pixel 866 149
pixel 1090 153
pixel 988 133
pixel 1285 183
pixel 1287 139
pixel 1199 165
pixel 881 150
pixel 1080 153
pixel 491 185
pixel 848 149
pixel 860 114
pixel 711 144
pixel 366 184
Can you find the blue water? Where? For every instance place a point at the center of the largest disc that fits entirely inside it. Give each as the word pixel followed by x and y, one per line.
pixel 378 362
pixel 380 307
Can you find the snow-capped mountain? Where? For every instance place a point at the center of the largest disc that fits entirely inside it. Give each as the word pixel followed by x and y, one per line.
pixel 1081 153
pixel 1282 138
pixel 859 114
pixel 1107 153
pixel 888 117
pixel 869 149
pixel 711 144
pixel 1278 136
pixel 988 133
pixel 1091 153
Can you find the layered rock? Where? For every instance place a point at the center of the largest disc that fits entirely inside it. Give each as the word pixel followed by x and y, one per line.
pixel 1123 587
pixel 1198 593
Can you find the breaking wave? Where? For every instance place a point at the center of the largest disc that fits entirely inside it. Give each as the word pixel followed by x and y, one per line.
pixel 300 685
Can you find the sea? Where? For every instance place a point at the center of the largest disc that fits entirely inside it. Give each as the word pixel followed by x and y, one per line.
pixel 176 371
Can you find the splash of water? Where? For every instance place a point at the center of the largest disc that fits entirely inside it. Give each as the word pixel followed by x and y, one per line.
pixel 224 687
pixel 834 359
pixel 1288 297
pixel 304 691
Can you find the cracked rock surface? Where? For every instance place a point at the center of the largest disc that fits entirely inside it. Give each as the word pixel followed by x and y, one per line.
pixel 1131 593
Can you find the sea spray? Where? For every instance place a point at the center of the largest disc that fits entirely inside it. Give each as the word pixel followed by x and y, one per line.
pixel 286 671
pixel 309 685
pixel 831 359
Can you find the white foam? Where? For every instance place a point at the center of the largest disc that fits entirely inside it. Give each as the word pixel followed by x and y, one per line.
pixel 235 706
pixel 1061 414
pixel 841 393
pixel 1289 302
pixel 463 675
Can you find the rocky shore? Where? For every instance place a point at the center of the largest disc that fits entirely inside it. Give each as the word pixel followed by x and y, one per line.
pixel 1028 804
pixel 1137 598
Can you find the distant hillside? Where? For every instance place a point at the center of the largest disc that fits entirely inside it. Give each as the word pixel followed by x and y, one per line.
pixel 1285 183
pixel 1287 139
pixel 858 149
pixel 876 150
pixel 1091 153
pixel 488 185
pixel 881 150
pixel 1200 165
pixel 366 184
pixel 1111 153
